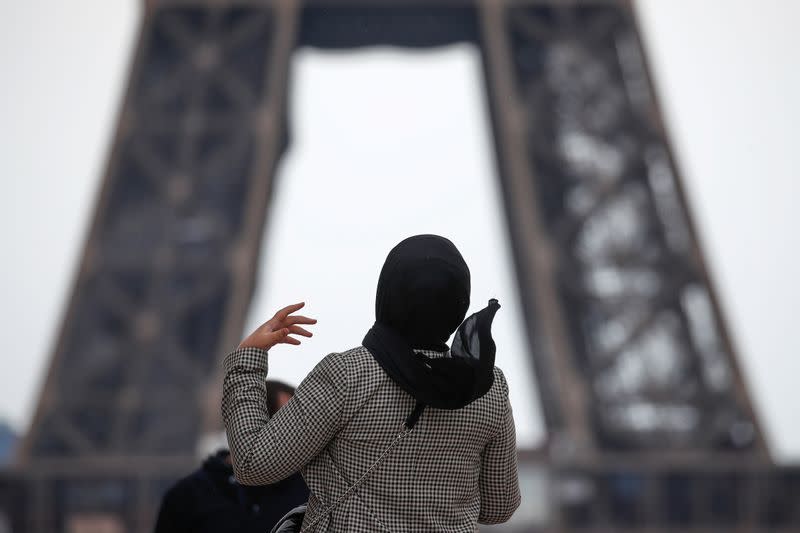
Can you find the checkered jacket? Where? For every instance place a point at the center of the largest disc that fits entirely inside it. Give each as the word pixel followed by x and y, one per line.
pixel 454 470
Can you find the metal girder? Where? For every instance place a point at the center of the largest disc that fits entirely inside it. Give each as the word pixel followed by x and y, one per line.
pixel 168 268
pixel 633 353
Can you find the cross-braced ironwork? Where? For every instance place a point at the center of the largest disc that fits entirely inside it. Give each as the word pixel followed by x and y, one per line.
pixel 168 266
pixel 650 425
pixel 645 335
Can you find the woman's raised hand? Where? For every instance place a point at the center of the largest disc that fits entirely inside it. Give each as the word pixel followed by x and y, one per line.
pixel 277 330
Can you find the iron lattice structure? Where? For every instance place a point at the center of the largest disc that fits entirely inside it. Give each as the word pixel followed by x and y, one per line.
pixel 638 315
pixel 649 421
pixel 167 273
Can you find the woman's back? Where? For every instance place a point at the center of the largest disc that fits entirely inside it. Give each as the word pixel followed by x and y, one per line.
pixel 432 480
pixel 454 469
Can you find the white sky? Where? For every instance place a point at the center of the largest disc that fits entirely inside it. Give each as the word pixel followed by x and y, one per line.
pixel 728 74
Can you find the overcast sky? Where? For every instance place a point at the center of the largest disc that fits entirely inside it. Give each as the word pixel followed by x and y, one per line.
pixel 728 74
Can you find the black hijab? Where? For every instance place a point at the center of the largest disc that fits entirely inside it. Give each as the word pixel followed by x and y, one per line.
pixel 423 295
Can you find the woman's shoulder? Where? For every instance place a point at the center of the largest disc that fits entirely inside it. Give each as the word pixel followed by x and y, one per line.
pixel 358 356
pixel 354 365
pixel 496 397
pixel 355 373
pixel 500 382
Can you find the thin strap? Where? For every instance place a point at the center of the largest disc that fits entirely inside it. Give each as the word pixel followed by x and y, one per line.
pixel 408 425
pixel 413 418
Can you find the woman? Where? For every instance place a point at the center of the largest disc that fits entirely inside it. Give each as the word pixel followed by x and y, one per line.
pixel 453 467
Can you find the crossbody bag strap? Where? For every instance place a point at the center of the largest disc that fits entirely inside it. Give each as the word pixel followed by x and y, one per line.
pixel 407 426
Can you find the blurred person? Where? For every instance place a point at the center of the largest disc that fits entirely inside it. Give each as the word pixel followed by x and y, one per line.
pixel 211 500
pixel 402 433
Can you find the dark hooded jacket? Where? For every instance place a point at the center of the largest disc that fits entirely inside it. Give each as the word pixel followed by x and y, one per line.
pixel 210 500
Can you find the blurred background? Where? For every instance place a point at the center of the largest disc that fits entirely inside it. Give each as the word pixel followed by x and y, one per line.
pixel 620 175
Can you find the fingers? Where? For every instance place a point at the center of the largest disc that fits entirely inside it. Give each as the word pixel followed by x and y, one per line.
pixel 288 310
pixel 282 336
pixel 278 329
pixel 297 330
pixel 298 319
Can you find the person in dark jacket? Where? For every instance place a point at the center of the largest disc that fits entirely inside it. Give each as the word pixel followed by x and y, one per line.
pixel 211 500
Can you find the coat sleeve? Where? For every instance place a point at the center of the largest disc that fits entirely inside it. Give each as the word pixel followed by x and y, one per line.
pixel 266 450
pixel 499 483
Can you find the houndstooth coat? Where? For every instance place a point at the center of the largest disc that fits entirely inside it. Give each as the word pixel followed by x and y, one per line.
pixel 455 469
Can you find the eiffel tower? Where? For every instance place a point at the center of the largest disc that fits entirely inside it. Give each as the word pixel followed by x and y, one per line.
pixel 649 423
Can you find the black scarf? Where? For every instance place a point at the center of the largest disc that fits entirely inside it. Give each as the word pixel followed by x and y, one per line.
pixel 423 295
